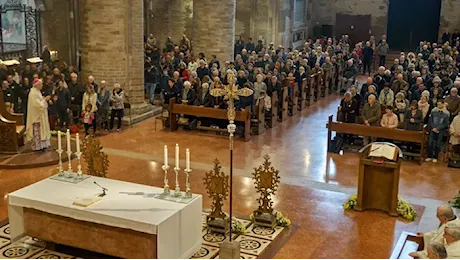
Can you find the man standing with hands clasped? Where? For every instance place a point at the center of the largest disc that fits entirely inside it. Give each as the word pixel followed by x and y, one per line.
pixel 438 124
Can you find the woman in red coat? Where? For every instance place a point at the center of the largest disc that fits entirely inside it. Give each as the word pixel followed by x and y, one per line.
pixel 184 73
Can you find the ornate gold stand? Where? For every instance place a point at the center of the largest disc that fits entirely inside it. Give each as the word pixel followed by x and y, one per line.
pixel 216 183
pixel 266 181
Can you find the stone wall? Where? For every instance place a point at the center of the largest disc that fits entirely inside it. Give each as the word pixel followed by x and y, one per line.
pixel 450 20
pixel 244 10
pixel 214 28
pixel 172 18
pixel 112 44
pixel 325 12
pixel 56 28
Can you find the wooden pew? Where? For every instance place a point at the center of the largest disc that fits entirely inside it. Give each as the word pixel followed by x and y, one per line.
pixel 303 98
pixel 285 104
pixel 240 116
pixel 406 244
pixel 274 113
pixel 295 100
pixel 378 132
pixel 315 86
pixel 12 129
pixel 327 82
pixel 258 124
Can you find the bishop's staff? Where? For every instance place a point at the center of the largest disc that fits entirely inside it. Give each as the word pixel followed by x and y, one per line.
pixel 231 92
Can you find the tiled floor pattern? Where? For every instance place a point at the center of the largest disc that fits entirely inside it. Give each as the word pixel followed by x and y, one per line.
pixel 253 243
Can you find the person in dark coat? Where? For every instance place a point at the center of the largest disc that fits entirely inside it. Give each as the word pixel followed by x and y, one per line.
pixel 348 109
pixel 63 104
pixel 368 54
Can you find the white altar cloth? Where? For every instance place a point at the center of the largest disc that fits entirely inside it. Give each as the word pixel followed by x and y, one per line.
pixel 176 225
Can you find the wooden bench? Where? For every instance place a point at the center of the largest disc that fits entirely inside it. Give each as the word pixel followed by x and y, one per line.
pixel 285 104
pixel 12 129
pixel 418 137
pixel 258 124
pixel 208 112
pixel 295 100
pixel 407 243
pixel 273 119
pixel 316 85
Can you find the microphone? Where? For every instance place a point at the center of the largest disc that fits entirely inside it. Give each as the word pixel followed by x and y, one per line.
pixel 103 190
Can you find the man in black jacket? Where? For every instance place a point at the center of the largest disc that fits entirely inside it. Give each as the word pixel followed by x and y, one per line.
pixel 76 92
pixel 368 54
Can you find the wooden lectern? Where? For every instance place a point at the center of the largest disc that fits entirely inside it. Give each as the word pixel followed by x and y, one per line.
pixel 378 180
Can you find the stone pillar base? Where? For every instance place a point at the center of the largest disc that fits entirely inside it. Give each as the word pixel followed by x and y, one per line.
pixel 140 112
pixel 229 250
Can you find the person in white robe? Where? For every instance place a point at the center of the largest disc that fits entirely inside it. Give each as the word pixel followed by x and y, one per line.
pixel 37 125
pixel 452 241
pixel 454 131
pixel 445 214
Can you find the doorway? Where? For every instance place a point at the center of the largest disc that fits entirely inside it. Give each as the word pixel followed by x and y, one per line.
pixel 358 27
pixel 412 21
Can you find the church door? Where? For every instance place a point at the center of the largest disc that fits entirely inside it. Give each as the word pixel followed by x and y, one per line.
pixel 412 21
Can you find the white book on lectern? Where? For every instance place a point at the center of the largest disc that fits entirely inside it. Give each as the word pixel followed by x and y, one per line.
pixel 383 150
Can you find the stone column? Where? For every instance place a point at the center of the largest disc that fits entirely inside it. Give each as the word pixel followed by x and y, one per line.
pixel 214 28
pixel 112 49
pixel 170 18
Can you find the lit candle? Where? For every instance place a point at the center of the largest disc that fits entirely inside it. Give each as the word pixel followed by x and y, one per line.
pixel 59 141
pixel 177 155
pixel 166 155
pixel 187 159
pixel 78 142
pixel 68 141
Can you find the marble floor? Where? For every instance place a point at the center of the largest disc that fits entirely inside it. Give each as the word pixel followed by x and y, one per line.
pixel 313 187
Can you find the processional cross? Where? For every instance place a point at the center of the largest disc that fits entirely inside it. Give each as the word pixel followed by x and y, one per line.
pixel 231 92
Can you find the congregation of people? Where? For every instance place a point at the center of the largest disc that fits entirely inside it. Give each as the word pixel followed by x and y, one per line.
pixel 52 97
pixel 419 88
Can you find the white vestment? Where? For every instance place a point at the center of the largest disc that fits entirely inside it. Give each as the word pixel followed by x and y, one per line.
pixel 37 111
pixel 453 250
pixel 455 129
pixel 435 236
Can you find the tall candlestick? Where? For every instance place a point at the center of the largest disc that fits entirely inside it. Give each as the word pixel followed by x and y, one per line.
pixel 177 155
pixel 78 142
pixel 166 156
pixel 187 159
pixel 68 141
pixel 59 141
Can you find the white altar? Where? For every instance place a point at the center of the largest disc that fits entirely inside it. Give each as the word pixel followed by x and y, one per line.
pixel 177 226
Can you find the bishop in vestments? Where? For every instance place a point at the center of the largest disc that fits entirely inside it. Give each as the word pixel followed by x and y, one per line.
pixel 37 125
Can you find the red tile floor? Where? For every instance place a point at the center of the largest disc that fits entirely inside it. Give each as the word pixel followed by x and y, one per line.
pixel 314 183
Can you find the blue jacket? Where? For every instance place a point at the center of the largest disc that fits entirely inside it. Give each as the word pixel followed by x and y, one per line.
pixel 438 120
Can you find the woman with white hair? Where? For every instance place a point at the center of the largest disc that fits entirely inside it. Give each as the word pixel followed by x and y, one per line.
pixel 117 100
pixel 37 125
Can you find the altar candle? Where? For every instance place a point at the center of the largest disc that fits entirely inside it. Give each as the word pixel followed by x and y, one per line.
pixel 177 155
pixel 68 141
pixel 187 160
pixel 59 141
pixel 166 155
pixel 78 142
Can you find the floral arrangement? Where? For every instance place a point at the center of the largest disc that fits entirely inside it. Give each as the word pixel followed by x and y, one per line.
pixel 404 208
pixel 281 220
pixel 455 202
pixel 55 133
pixel 238 227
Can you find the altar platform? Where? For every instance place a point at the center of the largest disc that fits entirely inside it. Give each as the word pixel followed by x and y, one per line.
pixel 128 222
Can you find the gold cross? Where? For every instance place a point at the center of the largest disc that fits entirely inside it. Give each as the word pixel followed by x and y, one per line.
pixel 231 92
